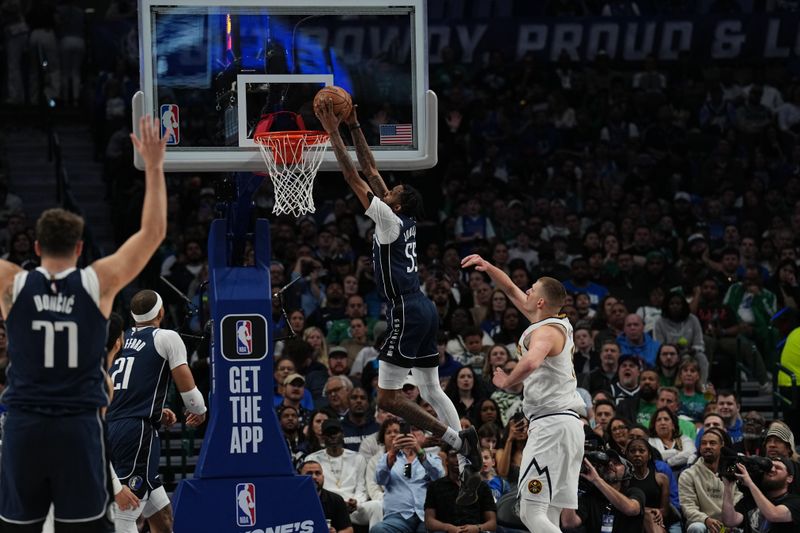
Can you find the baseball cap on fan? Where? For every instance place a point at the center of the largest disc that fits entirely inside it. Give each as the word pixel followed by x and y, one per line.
pixel 295 379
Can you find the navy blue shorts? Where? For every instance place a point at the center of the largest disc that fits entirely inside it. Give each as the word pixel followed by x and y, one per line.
pixel 413 327
pixel 53 459
pixel 134 448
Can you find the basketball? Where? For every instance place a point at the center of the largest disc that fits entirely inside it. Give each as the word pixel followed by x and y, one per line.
pixel 342 103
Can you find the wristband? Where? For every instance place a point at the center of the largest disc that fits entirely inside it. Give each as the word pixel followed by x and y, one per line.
pixel 193 401
pixel 115 484
pixel 356 126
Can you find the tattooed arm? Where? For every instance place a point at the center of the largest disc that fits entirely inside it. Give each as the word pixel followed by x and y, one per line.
pixel 365 157
pixel 331 124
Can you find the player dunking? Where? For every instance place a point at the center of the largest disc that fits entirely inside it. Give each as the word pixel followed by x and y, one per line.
pixel 141 374
pixel 552 457
pixel 412 317
pixel 54 435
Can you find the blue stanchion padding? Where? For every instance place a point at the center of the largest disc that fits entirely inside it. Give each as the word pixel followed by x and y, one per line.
pixel 244 481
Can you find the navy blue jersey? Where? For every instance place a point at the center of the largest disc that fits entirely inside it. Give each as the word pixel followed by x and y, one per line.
pixel 56 343
pixel 396 263
pixel 141 377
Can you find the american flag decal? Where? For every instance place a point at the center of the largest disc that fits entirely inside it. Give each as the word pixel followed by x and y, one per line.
pixel 395 134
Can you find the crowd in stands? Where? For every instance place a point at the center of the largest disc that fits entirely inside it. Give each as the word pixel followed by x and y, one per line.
pixel 665 196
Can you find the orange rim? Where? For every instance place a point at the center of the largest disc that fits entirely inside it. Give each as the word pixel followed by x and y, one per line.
pixel 293 137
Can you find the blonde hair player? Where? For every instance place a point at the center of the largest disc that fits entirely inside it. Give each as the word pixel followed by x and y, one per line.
pixel 551 461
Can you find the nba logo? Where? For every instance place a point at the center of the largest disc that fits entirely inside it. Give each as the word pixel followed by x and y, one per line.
pixel 244 337
pixel 170 124
pixel 245 505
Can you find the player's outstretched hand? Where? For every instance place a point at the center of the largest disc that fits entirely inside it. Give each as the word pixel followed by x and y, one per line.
pixel 168 417
pixel 126 499
pixel 150 144
pixel 476 261
pixel 499 378
pixel 327 117
pixel 194 420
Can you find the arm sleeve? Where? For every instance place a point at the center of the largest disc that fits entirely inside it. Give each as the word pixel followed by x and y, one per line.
pixel 169 345
pixel 387 224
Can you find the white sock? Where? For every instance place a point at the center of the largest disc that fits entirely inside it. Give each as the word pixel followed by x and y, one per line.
pixel 451 437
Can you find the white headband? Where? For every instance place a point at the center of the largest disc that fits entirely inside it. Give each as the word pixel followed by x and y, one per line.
pixel 151 314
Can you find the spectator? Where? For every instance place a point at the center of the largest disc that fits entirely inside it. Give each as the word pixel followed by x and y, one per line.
pixel 779 441
pixel 466 392
pixel 293 395
pixel 337 392
pixel 728 408
pixel 667 363
pixel 358 423
pixel 618 434
pixel 405 471
pixel 333 506
pixel 344 472
pixel 634 341
pixel 314 430
pixel 654 485
pixel 669 397
pixel 754 306
pixel 284 367
pixel 665 436
pixel 72 29
pixel 498 356
pixel 509 401
pixel 701 487
pixel 753 439
pixel 357 341
pixel 509 456
pixel 604 412
pixel 585 359
pixel 441 512
pixel 680 327
pixel 292 433
pixel 314 336
pixel 341 329
pixel 627 384
pixel 580 282
pixel 604 376
pixel 693 400
pixel 640 407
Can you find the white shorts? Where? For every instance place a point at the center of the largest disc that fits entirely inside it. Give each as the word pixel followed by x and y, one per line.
pixel 551 461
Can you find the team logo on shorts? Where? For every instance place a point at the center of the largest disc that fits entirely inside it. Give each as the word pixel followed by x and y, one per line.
pixel 135 483
pixel 534 486
pixel 245 504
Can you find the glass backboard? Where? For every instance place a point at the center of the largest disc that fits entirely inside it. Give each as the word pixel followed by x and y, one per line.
pixel 211 70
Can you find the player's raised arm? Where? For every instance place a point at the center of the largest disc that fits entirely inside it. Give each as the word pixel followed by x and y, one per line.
pixel 331 123
pixel 365 157
pixel 500 278
pixel 120 268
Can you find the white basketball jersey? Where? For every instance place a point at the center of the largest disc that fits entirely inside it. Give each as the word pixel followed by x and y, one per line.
pixel 551 388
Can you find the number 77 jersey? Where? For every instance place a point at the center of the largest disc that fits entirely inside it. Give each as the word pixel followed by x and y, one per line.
pixel 56 343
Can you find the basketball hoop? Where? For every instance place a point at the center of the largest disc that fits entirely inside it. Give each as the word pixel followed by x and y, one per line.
pixel 292 158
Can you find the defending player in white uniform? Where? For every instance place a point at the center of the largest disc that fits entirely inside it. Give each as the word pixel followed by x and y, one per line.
pixel 552 457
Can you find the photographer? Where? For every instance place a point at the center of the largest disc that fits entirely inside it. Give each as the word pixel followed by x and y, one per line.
pixel 609 501
pixel 775 510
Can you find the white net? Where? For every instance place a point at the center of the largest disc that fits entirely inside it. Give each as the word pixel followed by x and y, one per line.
pixel 293 159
